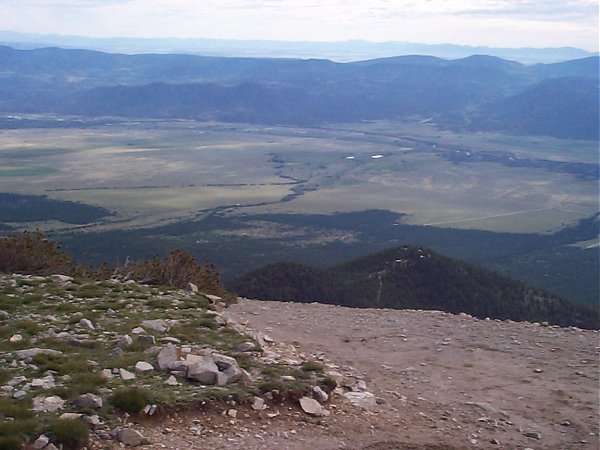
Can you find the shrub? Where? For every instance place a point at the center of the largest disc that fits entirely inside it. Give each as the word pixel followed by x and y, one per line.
pixel 71 434
pixel 131 400
pixel 312 366
pixel 31 252
pixel 10 443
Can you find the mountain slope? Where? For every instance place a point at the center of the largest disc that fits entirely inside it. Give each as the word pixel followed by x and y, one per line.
pixel 479 92
pixel 414 278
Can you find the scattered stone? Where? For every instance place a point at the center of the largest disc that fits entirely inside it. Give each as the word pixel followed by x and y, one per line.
pixel 246 347
pixel 143 366
pixel 166 357
pixel 147 339
pixel 288 378
pixel 365 400
pixel 311 407
pixel 31 352
pixel 93 420
pixel 124 341
pixel 86 323
pixel 126 375
pixel 158 325
pixel 228 366
pixel 232 413
pixel 70 416
pixel 88 401
pixel 320 395
pixel 205 371
pixel 138 330
pixel 192 288
pixel 532 435
pixel 106 373
pixel 19 394
pixel 258 404
pixel 537 370
pixel 4 315
pixel 47 404
pixel 172 381
pixel 61 278
pixel 41 442
pixel 131 437
pixel 16 338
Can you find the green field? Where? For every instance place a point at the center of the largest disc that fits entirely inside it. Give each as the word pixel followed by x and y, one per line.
pixel 155 172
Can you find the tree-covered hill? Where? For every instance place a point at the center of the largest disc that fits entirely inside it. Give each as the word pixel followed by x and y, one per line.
pixel 414 278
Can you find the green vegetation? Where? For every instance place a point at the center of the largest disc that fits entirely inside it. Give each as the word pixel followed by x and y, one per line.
pixel 414 278
pixel 71 434
pixel 131 400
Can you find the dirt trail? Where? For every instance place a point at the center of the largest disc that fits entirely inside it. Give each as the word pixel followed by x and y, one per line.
pixel 442 382
pixel 448 380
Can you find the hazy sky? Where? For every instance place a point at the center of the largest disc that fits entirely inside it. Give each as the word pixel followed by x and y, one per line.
pixel 498 23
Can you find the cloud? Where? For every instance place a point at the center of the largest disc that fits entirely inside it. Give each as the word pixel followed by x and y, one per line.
pixel 477 22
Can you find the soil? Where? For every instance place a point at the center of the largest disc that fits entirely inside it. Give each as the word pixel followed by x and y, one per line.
pixel 442 382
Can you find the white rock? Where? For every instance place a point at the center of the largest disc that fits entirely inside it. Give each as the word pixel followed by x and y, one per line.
pixel 143 366
pixel 16 338
pixel 192 288
pixel 129 436
pixel 41 442
pixel 86 323
pixel 31 352
pixel 61 278
pixel 258 404
pixel 159 325
pixel 311 407
pixel 365 400
pixel 138 330
pixel 48 404
pixel 172 381
pixel 320 395
pixel 126 375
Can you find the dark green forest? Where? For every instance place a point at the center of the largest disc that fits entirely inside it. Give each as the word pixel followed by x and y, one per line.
pixel 414 278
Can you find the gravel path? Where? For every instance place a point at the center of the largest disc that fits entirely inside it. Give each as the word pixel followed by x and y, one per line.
pixel 442 382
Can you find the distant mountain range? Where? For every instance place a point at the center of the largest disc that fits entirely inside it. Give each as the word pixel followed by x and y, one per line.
pixel 342 51
pixel 473 93
pixel 413 278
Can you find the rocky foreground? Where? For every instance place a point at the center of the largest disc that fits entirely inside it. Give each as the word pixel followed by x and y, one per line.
pixel 152 367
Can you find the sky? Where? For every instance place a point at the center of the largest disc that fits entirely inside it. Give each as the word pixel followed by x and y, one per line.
pixel 493 23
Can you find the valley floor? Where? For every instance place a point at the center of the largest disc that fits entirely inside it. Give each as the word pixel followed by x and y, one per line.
pixel 441 382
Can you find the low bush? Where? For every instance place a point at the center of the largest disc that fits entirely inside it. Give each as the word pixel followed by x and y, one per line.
pixel 130 400
pixel 71 434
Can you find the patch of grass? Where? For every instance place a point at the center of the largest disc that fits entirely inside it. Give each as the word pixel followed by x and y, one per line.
pixel 28 326
pixel 61 364
pixel 131 400
pixel 161 303
pixel 312 366
pixel 11 443
pixel 71 434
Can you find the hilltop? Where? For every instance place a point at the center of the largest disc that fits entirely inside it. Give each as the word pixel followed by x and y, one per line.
pixel 416 278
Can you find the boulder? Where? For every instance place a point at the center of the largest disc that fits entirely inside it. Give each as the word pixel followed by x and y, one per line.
pixel 364 399
pixel 143 366
pixel 320 395
pixel 311 407
pixel 61 278
pixel 228 366
pixel 88 401
pixel 47 404
pixel 167 356
pixel 15 338
pixel 124 341
pixel 41 442
pixel 205 371
pixel 159 325
pixel 246 347
pixel 126 375
pixel 4 315
pixel 31 352
pixel 131 437
pixel 192 288
pixel 86 323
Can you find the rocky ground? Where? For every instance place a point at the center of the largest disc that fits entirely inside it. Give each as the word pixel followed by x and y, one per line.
pixel 442 380
pixel 259 375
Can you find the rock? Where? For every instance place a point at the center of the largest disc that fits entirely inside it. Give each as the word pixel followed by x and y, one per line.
pixel 116 352
pixel 537 370
pixel 47 404
pixel 167 356
pixel 311 407
pixel 16 338
pixel 43 383
pixel 288 378
pixel 86 323
pixel 4 315
pixel 31 352
pixel 365 400
pixel 532 435
pixel 70 416
pixel 50 446
pixel 143 366
pixel 172 381
pixel 61 278
pixel 131 437
pixel 126 375
pixel 156 325
pixel 361 385
pixel 213 298
pixel 205 371
pixel 192 288
pixel 232 413
pixel 258 404
pixel 246 347
pixel 106 373
pixel 124 341
pixel 320 395
pixel 228 366
pixel 93 420
pixel 19 394
pixel 147 338
pixel 138 330
pixel 41 442
pixel 88 401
